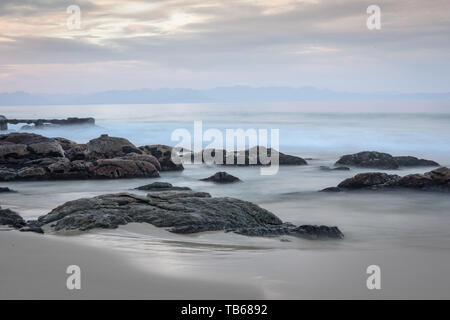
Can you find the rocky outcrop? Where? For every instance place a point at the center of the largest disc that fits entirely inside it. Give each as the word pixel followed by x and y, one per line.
pixel 161 186
pixel 408 161
pixel 11 219
pixel 222 177
pixel 179 212
pixel 248 157
pixel 435 180
pixel 164 155
pixel 39 158
pixel 18 148
pixel 106 147
pixel 369 180
pixel 379 160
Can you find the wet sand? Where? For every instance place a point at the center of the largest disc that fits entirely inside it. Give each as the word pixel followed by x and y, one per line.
pixel 34 266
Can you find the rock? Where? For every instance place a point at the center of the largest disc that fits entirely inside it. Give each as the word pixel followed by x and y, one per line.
pixel 369 159
pixel 250 157
pixel 121 168
pixel 21 147
pixel 317 232
pixel 379 160
pixel 66 144
pixel 143 157
pixel 222 177
pixel 30 173
pixel 7 174
pixel 72 150
pixel 11 219
pixel 180 212
pixel 34 157
pixel 369 180
pixel 161 186
pixel 325 168
pixel 435 180
pixel 164 155
pixel 331 189
pixel 5 189
pixel 408 161
pixel 3 123
pixel 106 147
pixel 31 229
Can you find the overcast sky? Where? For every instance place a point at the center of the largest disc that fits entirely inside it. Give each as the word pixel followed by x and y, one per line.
pixel 208 43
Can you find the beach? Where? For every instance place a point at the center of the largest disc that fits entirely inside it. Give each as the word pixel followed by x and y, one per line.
pixel 404 232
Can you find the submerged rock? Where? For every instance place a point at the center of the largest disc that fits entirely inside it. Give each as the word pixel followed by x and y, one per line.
pixel 6 189
pixel 31 229
pixel 179 212
pixel 331 189
pixel 161 186
pixel 222 177
pixel 341 168
pixel 379 160
pixel 435 180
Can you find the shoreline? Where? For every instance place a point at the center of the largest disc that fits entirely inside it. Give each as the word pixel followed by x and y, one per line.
pixel 34 267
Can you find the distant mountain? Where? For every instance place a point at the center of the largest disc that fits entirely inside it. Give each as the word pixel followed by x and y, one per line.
pixel 220 94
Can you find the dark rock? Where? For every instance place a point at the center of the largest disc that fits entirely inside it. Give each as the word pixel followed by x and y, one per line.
pixel 31 229
pixel 5 189
pixel 161 186
pixel 369 180
pixel 3 123
pixel 164 155
pixel 222 177
pixel 435 180
pixel 11 219
pixel 379 160
pixel 369 159
pixel 331 189
pixel 180 212
pixel 325 168
pixel 408 161
pixel 318 232
pixel 249 157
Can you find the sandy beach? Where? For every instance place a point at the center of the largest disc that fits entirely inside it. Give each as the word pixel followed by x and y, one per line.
pixel 34 267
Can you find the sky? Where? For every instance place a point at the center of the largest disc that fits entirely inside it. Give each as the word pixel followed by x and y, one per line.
pixel 200 44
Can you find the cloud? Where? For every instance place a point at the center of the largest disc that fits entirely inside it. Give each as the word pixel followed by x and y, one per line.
pixel 257 42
